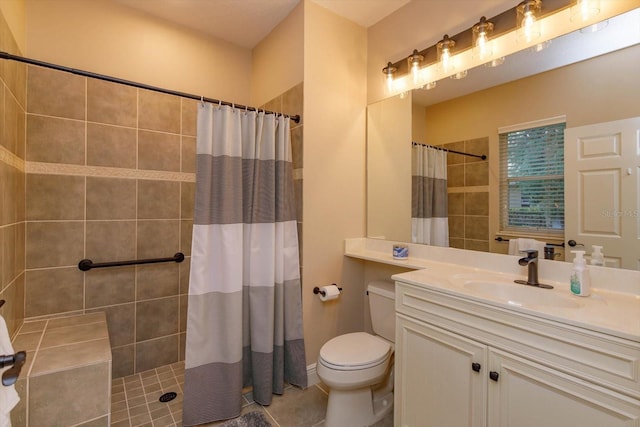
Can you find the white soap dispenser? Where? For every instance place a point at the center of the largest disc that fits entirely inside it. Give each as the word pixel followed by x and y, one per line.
pixel 597 257
pixel 580 278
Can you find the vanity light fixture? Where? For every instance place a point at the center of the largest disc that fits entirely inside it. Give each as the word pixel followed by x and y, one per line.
pixel 482 46
pixel 415 59
pixel 584 10
pixel 389 71
pixel 444 47
pixel 527 20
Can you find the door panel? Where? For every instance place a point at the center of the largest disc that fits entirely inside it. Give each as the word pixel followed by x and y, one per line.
pixel 602 166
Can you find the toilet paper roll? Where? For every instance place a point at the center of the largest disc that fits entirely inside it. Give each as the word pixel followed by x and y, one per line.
pixel 328 293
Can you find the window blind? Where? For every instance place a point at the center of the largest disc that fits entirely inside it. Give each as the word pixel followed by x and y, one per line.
pixel 532 180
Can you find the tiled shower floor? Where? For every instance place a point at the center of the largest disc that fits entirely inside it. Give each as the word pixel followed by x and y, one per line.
pixel 134 402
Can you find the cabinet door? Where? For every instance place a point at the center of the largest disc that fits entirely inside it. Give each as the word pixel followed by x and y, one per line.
pixel 436 384
pixel 529 395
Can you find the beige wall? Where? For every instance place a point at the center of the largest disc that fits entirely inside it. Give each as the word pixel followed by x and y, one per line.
pixel 14 15
pixel 108 38
pixel 277 61
pixel 598 90
pixel 334 171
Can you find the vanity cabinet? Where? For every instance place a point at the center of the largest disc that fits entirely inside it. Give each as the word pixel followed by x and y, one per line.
pixel 460 362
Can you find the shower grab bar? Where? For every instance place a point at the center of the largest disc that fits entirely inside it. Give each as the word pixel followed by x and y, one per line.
pixel 87 264
pixel 16 361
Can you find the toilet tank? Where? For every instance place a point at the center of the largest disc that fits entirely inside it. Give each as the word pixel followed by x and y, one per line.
pixel 382 296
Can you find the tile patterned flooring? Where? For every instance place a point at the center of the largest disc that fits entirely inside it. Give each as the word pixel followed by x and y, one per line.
pixel 134 402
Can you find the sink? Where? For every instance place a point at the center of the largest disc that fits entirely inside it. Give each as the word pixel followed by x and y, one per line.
pixel 503 289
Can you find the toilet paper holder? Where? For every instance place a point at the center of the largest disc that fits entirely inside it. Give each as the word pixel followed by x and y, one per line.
pixel 317 290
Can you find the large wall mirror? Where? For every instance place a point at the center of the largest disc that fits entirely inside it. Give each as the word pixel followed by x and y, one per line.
pixel 588 78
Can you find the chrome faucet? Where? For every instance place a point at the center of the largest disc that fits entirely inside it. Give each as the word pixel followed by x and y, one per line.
pixel 531 261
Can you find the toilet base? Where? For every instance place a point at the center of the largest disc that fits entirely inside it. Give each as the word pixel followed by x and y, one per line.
pixel 357 408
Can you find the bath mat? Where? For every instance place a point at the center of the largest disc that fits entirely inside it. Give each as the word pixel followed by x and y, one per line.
pixel 250 419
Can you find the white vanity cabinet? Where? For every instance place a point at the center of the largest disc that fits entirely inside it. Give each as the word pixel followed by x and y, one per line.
pixel 461 362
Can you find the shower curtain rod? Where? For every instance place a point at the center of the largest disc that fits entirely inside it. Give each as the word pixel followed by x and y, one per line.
pixel 481 156
pixel 5 55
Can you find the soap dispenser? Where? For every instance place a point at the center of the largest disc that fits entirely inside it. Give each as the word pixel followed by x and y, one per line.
pixel 580 278
pixel 597 257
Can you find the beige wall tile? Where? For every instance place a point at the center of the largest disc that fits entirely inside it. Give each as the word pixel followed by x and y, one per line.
pixel 188 154
pixel 80 395
pixel 158 111
pixel 476 203
pixel 292 102
pixel 158 151
pixel 158 238
pixel 53 291
pixel 8 265
pixel 73 335
pixel 109 241
pixel 456 226
pixel 13 128
pixel 189 117
pixel 156 318
pixel 157 352
pixel 186 234
pixel 476 174
pixel 476 228
pixel 158 199
pixel 297 148
pixel 187 199
pixel 111 103
pixel 456 243
pixel 477 245
pixel 455 203
pixel 111 198
pixel 19 412
pixel 54 244
pixel 455 175
pixel 15 76
pixel 55 197
pixel 120 323
pixel 183 344
pixel 109 286
pixel 55 140
pixel 479 147
pixel 122 362
pixel 184 301
pixel 452 158
pixel 184 276
pixel 111 146
pixel 56 93
pixel 157 280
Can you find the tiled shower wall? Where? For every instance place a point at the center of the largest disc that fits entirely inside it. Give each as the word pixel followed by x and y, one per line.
pixel 12 173
pixel 468 191
pixel 110 176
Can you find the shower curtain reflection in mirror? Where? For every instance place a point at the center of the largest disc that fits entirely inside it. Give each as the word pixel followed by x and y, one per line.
pixel 429 207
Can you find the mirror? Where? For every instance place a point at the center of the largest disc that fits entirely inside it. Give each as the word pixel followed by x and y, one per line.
pixel 587 77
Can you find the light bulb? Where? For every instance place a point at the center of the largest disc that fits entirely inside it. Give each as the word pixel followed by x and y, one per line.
pixel 584 10
pixel 415 59
pixel 445 58
pixel 528 25
pixel 482 48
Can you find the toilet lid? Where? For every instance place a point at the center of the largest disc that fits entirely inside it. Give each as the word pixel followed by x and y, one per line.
pixel 357 350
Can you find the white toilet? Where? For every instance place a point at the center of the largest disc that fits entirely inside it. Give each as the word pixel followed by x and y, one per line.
pixel 358 367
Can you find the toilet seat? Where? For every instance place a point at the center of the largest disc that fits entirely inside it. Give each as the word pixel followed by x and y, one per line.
pixel 354 351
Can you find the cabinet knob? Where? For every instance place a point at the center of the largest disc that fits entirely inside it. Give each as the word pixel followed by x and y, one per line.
pixel 494 375
pixel 476 367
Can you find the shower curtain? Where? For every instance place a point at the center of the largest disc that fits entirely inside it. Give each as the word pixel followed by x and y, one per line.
pixel 244 322
pixel 429 206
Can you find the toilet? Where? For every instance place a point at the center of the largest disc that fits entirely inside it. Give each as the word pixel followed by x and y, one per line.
pixel 358 367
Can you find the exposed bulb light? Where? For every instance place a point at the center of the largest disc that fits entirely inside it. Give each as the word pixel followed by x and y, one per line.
pixel 389 71
pixel 527 21
pixel 429 86
pixel 414 64
pixel 444 47
pixel 482 47
pixel 584 10
pixel 496 62
pixel 460 75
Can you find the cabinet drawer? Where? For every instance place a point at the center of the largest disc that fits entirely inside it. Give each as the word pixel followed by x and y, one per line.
pixel 603 359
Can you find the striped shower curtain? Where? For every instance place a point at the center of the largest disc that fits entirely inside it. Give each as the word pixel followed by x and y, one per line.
pixel 429 205
pixel 244 324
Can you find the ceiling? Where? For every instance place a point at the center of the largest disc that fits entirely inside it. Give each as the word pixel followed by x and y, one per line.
pixel 247 22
